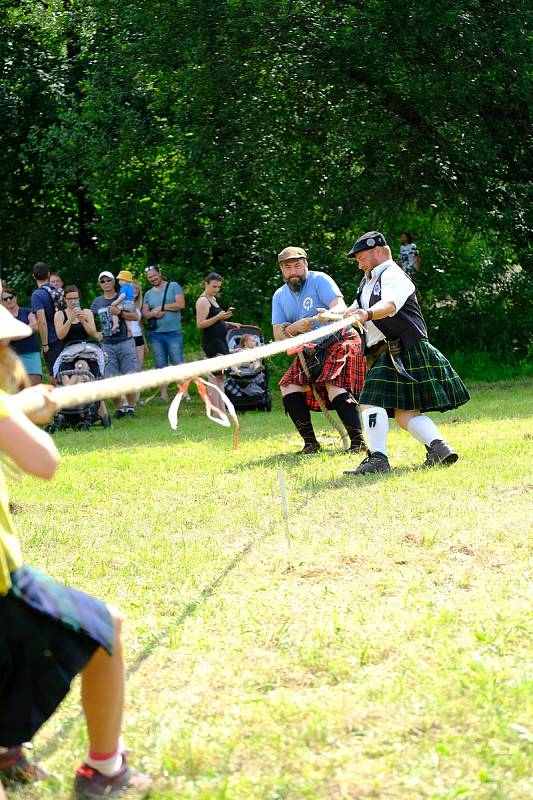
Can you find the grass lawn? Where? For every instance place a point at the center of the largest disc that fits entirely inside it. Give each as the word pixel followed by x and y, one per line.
pixel 377 649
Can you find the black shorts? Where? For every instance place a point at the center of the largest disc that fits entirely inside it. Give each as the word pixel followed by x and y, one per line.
pixel 139 341
pixel 51 354
pixel 214 348
pixel 48 634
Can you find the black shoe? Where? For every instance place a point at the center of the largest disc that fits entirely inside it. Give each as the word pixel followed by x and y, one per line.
pixel 130 411
pixel 374 462
pixel 310 447
pixel 439 453
pixel 357 446
pixel 119 413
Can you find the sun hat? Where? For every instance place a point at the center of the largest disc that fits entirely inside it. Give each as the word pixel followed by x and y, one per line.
pixel 11 328
pixel 125 275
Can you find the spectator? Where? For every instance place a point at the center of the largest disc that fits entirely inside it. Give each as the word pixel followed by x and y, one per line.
pixel 141 346
pixel 136 327
pixel 49 632
pixel 119 348
pixel 212 321
pixel 162 306
pixel 124 299
pixel 74 324
pixel 28 349
pixel 56 280
pixel 409 257
pixel 43 306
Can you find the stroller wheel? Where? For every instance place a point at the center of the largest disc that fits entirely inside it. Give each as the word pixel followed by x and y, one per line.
pixel 59 421
pixel 50 428
pixel 82 426
pixel 268 404
pixel 106 421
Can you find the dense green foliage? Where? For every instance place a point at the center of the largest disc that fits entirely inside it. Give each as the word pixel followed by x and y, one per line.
pixel 211 134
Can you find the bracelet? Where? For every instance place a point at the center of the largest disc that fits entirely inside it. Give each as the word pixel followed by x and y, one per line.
pixel 370 314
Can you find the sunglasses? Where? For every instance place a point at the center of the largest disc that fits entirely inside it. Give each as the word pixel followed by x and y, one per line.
pixel 106 280
pixel 6 297
pixel 152 269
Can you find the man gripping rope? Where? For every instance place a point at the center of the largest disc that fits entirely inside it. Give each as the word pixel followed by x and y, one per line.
pixel 334 368
pixel 407 376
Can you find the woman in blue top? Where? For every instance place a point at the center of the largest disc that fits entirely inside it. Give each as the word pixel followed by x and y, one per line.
pixel 28 350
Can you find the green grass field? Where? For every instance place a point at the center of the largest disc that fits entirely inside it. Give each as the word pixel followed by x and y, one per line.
pixel 377 648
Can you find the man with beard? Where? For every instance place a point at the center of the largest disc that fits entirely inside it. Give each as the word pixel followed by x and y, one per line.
pixel 338 371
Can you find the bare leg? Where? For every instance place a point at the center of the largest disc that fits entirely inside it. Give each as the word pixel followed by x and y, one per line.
pixel 214 396
pixel 403 418
pixel 292 387
pixel 102 694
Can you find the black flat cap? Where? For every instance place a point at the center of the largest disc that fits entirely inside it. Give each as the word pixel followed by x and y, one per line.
pixel 367 241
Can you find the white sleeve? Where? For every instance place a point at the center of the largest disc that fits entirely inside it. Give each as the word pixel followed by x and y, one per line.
pixel 396 286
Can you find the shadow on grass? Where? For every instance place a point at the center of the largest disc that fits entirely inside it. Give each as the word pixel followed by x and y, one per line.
pixel 188 610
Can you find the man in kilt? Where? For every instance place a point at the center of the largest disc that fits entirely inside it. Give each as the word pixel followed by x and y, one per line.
pixel 334 368
pixel 406 375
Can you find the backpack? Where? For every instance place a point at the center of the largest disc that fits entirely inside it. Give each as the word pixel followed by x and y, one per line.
pixel 57 296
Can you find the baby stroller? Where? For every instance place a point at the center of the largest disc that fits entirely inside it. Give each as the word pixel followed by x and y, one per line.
pixel 247 385
pixel 79 362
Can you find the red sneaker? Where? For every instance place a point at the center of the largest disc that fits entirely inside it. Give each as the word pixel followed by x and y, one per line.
pixel 15 767
pixel 90 784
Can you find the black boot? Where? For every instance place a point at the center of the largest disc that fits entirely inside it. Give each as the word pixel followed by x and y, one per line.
pixel 346 407
pixel 298 411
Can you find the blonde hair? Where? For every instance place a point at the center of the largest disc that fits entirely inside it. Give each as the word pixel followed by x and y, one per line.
pixel 13 376
pixel 139 300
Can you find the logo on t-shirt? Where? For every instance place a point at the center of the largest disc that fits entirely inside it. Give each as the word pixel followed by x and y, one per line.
pixel 308 303
pixel 106 321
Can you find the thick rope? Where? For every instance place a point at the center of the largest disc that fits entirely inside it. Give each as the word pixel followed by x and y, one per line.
pixel 83 393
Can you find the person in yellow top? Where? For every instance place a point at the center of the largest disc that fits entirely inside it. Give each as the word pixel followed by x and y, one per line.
pixel 50 632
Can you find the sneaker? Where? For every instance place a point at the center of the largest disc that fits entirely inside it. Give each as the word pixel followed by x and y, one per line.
pixel 119 413
pixel 90 784
pixel 374 462
pixel 357 446
pixel 130 411
pixel 15 767
pixel 310 447
pixel 439 453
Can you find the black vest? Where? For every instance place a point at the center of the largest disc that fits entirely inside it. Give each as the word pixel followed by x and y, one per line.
pixel 407 324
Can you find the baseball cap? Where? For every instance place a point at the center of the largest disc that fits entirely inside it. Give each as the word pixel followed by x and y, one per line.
pixel 106 274
pixel 366 242
pixel 11 328
pixel 291 252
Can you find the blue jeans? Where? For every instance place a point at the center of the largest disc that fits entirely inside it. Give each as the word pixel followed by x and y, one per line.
pixel 167 348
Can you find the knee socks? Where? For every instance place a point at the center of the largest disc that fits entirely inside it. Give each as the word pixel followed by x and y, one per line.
pixel 423 429
pixel 298 410
pixel 376 427
pixel 346 407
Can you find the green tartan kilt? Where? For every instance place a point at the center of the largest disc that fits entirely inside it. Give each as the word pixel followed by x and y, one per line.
pixel 438 387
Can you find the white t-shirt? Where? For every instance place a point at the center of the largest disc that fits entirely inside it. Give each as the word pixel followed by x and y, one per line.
pixel 135 324
pixel 395 286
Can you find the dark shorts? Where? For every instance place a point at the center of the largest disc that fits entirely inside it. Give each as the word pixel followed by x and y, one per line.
pixel 214 348
pixel 139 341
pixel 48 634
pixel 51 354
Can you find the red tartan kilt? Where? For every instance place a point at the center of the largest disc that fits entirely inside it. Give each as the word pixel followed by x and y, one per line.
pixel 344 367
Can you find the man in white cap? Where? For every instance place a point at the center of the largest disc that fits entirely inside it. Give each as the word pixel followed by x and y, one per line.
pixel 336 367
pixel 407 376
pixel 117 344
